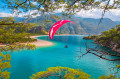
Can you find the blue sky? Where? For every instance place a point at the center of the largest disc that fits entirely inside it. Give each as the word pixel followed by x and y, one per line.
pixel 94 13
pixel 3 8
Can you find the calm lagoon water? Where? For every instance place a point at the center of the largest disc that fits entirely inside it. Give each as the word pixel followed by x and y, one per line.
pixel 27 62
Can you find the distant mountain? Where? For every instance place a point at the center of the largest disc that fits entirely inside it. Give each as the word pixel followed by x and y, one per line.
pixel 18 19
pixel 81 25
pixel 65 29
pixel 91 25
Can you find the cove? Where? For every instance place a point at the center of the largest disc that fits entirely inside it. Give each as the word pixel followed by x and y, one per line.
pixel 27 62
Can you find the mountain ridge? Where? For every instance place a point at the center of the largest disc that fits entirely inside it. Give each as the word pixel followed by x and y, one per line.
pixel 81 25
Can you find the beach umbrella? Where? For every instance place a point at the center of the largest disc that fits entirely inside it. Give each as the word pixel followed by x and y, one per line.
pixel 56 26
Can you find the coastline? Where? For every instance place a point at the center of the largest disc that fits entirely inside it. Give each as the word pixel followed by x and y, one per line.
pixel 112 45
pixel 39 42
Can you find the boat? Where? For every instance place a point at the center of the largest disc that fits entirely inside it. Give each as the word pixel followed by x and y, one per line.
pixel 66 46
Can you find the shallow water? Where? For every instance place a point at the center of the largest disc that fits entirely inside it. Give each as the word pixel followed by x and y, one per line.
pixel 27 62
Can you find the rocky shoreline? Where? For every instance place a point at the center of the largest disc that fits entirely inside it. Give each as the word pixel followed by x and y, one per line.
pixel 112 45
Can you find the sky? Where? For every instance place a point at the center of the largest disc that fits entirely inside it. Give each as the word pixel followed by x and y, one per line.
pixel 113 14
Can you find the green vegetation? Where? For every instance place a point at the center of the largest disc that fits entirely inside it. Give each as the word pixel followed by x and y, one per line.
pixel 66 73
pixel 107 77
pixel 108 38
pixel 38 30
pixel 4 64
pixel 49 6
pixel 93 37
pixel 113 35
pixel 15 33
pixel 81 25
pixel 5 58
pixel 117 66
pixel 61 72
pixel 12 33
pixel 71 7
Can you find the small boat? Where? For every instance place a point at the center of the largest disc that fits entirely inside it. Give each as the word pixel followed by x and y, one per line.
pixel 66 46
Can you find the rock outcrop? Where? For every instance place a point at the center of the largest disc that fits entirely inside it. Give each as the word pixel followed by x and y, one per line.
pixel 114 46
pixel 38 30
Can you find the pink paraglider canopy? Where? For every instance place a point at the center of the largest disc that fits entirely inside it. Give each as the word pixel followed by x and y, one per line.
pixel 56 26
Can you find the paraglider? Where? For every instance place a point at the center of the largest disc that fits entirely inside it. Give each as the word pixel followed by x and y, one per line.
pixel 56 26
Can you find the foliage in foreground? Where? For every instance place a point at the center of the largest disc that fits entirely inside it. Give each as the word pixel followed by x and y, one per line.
pixel 90 37
pixel 61 72
pixel 113 35
pixel 107 38
pixel 4 64
pixel 66 73
pixel 12 33
pixel 48 6
pixel 107 77
pixel 5 57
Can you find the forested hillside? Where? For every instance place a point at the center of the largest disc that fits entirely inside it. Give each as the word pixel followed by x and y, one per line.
pixel 12 32
pixel 109 38
pixel 81 26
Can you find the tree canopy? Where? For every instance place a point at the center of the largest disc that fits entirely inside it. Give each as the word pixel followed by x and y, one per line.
pixel 12 32
pixel 68 6
pixel 66 73
pixel 109 39
pixel 5 57
pixel 61 72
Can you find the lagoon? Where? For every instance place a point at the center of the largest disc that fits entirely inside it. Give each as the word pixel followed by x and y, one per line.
pixel 27 62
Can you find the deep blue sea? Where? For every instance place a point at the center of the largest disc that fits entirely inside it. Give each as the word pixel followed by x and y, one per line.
pixel 27 62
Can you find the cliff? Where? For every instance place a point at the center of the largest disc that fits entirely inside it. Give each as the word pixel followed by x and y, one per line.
pixel 81 25
pixel 38 30
pixel 109 39
pixel 114 46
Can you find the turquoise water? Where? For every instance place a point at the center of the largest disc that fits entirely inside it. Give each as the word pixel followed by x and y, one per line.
pixel 27 62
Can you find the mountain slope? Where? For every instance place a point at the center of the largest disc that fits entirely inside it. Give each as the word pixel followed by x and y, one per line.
pixel 81 25
pixel 91 25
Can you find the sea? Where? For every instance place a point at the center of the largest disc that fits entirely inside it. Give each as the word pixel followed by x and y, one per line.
pixel 27 62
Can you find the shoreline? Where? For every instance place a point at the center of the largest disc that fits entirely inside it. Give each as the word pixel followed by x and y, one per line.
pixel 40 42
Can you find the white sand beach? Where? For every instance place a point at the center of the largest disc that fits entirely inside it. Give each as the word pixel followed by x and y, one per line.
pixel 38 42
pixel 41 42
